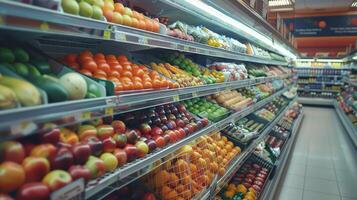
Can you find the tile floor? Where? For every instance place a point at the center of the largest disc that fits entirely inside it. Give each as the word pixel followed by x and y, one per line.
pixel 323 164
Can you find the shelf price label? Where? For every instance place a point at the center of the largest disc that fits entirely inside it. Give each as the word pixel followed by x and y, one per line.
pixel 143 40
pixel 194 94
pixel 23 128
pixel 109 111
pixel 120 36
pixel 83 116
pixel 176 98
pixel 72 191
pixel 107 34
pixel 44 26
pixel 186 48
pixel 1 19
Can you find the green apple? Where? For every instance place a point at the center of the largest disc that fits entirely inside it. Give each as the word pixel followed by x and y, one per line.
pixel 110 161
pixel 96 166
pixel 97 12
pixel 99 3
pixel 57 179
pixel 91 2
pixel 70 6
pixel 117 18
pixel 85 9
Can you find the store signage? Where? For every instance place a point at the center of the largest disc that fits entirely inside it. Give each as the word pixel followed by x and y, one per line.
pixel 323 26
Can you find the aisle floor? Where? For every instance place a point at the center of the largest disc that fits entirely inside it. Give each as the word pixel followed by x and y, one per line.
pixel 323 163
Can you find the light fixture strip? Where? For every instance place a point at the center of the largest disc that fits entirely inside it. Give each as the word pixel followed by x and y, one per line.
pixel 354 4
pixel 276 3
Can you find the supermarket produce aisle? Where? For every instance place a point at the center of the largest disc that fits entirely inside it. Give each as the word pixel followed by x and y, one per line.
pixel 323 164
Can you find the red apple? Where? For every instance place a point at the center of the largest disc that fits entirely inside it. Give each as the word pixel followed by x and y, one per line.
pixel 167 139
pixel 28 146
pixel 156 131
pixel 78 171
pixel 180 123
pixel 52 136
pixel 33 191
pixel 143 148
pixel 63 159
pixel 131 152
pixel 120 140
pixel 96 146
pixel 44 150
pixel 204 122
pixel 173 137
pixel 145 128
pixel 12 151
pixel 109 144
pixel 96 166
pixel 5 197
pixel 190 128
pixel 81 152
pixel 160 141
pixel 12 176
pixel 187 131
pixel 119 126
pixel 132 136
pixel 151 144
pixel 105 131
pixel 121 156
pixel 181 108
pixel 35 168
pixel 57 179
pixel 138 132
pixel 182 133
pixel 86 131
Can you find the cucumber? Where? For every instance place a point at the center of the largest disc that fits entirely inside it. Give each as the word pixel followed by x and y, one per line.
pixel 42 66
pixel 55 91
pixel 33 71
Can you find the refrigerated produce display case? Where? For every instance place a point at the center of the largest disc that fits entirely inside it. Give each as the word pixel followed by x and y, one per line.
pixel 145 100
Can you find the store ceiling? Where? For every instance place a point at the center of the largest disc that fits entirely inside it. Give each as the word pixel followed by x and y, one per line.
pixel 322 4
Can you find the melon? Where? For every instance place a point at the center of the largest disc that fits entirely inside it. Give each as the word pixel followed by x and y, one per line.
pixel 75 84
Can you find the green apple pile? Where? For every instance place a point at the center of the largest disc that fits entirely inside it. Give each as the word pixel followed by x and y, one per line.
pixel 84 8
pixel 205 108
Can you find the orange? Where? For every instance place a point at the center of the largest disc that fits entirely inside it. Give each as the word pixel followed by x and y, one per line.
pixel 99 56
pixel 140 16
pixel 156 83
pixel 108 14
pixel 104 66
pixel 149 24
pixel 125 79
pixel 164 83
pixel 86 53
pixel 116 67
pixel 127 67
pixel 147 85
pixel 127 73
pixel 113 79
pixel 122 58
pixel 153 74
pixel 128 85
pixel 139 72
pixel 136 79
pixel 71 58
pixel 142 25
pixel 101 72
pixel 90 65
pixel 138 86
pixel 114 73
pixel 86 72
pixel 118 86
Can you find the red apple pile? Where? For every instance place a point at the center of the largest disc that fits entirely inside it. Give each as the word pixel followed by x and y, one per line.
pixel 252 175
pixel 32 170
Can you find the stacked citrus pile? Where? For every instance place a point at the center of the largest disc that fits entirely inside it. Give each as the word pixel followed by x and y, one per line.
pixel 118 69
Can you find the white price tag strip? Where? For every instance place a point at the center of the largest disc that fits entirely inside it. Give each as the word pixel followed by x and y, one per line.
pixel 72 191
pixel 23 128
pixel 120 36
pixel 143 40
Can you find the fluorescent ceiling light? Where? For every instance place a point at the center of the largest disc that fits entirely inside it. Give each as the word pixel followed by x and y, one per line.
pixel 276 3
pixel 318 60
pixel 238 26
pixel 354 58
pixel 281 9
pixel 354 4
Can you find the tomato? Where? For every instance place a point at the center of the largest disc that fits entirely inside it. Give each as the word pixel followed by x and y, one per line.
pixel 99 56
pixel 114 73
pixel 113 79
pixel 86 72
pixel 136 79
pixel 147 85
pixel 110 57
pixel 122 58
pixel 127 73
pixel 139 72
pixel 100 76
pixel 105 67
pixel 138 85
pixel 71 58
pixel 74 65
pixel 127 67
pixel 100 72
pixel 90 65
pixel 84 59
pixel 86 53
pixel 116 67
pixel 156 83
